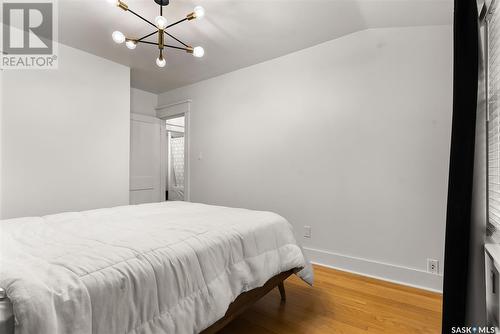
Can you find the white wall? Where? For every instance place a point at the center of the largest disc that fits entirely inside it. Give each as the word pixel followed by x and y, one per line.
pixel 350 137
pixel 65 136
pixel 142 102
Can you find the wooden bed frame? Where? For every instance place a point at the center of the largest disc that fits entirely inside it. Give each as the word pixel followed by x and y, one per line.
pixel 246 299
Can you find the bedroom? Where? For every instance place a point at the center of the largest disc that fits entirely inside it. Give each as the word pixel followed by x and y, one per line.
pixel 152 186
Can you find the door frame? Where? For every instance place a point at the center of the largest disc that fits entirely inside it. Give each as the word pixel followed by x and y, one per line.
pixel 164 112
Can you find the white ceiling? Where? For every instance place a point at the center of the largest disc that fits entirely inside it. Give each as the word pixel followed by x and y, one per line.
pixel 234 33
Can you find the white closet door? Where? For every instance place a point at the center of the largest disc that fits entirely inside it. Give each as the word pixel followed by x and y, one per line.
pixel 145 155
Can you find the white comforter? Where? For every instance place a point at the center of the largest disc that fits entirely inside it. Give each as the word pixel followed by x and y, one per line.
pixel 170 267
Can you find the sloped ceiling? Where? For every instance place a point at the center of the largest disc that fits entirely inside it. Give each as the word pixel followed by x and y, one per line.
pixel 234 33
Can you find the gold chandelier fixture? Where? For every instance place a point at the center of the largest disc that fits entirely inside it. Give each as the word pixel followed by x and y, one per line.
pixel 161 25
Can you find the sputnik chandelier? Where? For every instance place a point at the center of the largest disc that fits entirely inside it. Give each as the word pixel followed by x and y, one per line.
pixel 161 25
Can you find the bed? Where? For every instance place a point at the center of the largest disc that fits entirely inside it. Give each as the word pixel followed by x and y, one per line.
pixel 172 267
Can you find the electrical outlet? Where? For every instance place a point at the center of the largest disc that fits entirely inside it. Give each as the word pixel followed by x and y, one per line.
pixel 307 231
pixel 433 266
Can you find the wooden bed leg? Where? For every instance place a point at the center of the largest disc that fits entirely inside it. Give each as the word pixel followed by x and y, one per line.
pixel 281 287
pixel 244 300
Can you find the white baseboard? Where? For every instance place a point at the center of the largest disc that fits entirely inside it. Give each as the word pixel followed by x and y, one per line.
pixel 384 271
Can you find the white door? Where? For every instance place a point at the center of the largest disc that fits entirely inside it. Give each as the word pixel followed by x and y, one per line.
pixel 145 159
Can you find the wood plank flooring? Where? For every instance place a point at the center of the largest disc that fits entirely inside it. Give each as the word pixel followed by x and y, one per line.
pixel 341 302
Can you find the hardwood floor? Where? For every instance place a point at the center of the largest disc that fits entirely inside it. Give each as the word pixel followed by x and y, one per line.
pixel 341 302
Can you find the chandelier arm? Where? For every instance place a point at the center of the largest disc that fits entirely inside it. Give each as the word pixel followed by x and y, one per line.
pixel 177 47
pixel 178 40
pixel 146 42
pixel 167 46
pixel 173 24
pixel 142 18
pixel 151 34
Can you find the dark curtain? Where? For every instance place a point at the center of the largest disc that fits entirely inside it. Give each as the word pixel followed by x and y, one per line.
pixel 458 218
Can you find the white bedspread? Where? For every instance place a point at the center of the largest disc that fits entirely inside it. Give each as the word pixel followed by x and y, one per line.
pixel 170 267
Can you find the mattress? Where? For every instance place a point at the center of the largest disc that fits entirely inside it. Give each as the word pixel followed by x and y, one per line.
pixel 171 267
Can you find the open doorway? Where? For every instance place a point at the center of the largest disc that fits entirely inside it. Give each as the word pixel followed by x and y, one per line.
pixel 175 187
pixel 175 150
